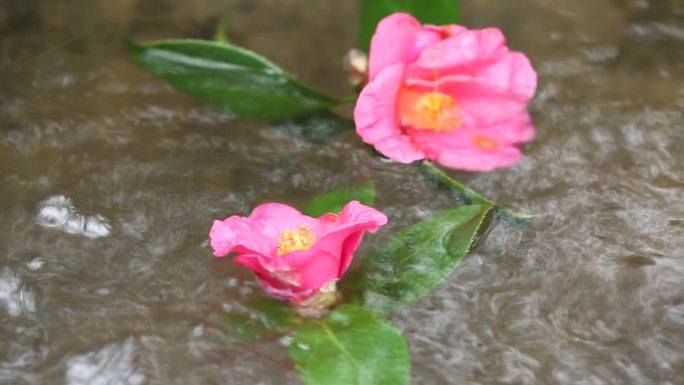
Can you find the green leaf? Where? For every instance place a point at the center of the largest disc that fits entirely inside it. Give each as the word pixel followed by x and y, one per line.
pixel 334 201
pixel 235 329
pixel 233 77
pixel 262 314
pixel 351 346
pixel 271 313
pixel 437 12
pixel 419 258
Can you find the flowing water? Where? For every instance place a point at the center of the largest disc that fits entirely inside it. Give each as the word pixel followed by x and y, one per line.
pixel 110 181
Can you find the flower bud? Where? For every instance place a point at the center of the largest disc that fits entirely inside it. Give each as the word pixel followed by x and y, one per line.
pixel 356 65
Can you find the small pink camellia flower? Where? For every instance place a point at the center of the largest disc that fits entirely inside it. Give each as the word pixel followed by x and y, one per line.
pixel 445 93
pixel 294 255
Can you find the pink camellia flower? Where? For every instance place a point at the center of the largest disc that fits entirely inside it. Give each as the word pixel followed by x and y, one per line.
pixel 294 255
pixel 445 93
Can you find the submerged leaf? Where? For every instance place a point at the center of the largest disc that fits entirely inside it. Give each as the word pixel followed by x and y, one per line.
pixel 351 346
pixel 233 77
pixel 437 12
pixel 419 258
pixel 262 314
pixel 334 201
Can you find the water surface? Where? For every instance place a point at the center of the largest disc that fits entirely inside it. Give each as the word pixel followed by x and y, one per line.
pixel 110 181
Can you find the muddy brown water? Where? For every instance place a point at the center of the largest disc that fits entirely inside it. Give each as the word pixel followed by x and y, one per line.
pixel 592 293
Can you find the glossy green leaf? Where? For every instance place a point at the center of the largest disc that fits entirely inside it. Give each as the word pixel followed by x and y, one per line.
pixel 437 12
pixel 351 346
pixel 334 201
pixel 419 258
pixel 245 83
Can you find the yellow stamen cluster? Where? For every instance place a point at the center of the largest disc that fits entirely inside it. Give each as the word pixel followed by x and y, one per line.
pixel 438 110
pixel 301 238
pixel 432 111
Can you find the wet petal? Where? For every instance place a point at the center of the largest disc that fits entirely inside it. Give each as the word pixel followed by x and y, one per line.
pixel 376 120
pixel 393 42
pixel 512 74
pixel 465 50
pixel 474 160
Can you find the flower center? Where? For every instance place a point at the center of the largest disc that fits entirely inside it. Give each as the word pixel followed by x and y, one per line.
pixel 432 111
pixel 301 238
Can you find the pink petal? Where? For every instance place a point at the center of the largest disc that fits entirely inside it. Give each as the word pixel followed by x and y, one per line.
pixel 474 160
pixel 399 149
pixel 272 219
pixel 236 234
pixel 516 130
pixel 280 288
pixel 425 38
pixel 357 212
pixel 343 239
pixel 315 268
pixel 374 113
pixel 255 262
pixel 375 117
pixel 512 74
pixel 393 42
pixel 505 120
pixel 464 52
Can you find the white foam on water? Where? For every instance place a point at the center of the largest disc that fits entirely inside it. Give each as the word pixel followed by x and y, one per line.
pixel 14 298
pixel 58 211
pixel 111 365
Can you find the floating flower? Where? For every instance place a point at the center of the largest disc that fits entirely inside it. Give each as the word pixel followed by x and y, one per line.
pixel 445 93
pixel 295 256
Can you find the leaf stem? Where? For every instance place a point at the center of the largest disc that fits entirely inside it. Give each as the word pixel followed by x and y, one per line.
pixel 469 195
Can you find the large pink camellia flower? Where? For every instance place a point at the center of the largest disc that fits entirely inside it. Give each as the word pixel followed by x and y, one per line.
pixel 445 93
pixel 294 255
